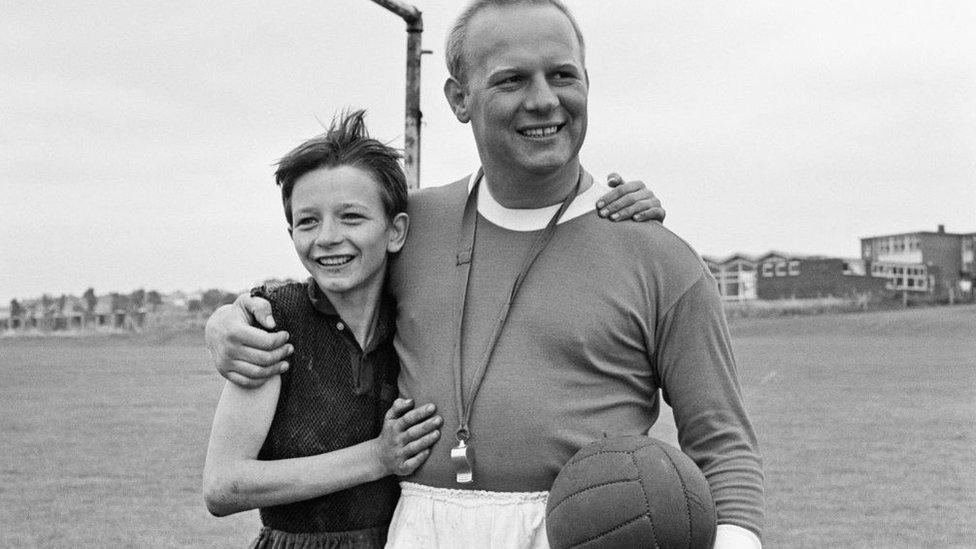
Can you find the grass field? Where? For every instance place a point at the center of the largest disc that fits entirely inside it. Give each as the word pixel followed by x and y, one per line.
pixel 867 422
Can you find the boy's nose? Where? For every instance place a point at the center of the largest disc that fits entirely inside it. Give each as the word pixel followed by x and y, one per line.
pixel 329 233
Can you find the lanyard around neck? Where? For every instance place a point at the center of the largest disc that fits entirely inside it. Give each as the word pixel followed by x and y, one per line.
pixel 465 254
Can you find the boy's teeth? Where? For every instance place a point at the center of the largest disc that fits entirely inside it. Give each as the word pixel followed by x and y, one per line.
pixel 335 261
pixel 541 132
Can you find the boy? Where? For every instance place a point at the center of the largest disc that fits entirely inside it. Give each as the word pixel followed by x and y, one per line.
pixel 313 448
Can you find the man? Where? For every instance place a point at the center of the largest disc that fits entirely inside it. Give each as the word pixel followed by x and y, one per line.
pixel 534 326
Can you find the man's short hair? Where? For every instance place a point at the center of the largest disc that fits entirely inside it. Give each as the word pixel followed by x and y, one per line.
pixel 454 49
pixel 346 143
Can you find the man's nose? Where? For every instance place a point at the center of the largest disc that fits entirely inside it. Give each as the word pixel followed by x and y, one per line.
pixel 541 96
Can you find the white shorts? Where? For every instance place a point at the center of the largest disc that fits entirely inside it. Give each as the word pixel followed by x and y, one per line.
pixel 429 517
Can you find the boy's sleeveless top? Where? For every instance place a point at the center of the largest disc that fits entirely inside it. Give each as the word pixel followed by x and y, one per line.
pixel 333 396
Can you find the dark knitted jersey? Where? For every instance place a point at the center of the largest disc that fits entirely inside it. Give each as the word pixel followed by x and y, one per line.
pixel 333 396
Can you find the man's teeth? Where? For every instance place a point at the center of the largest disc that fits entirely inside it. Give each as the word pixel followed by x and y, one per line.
pixel 541 132
pixel 334 260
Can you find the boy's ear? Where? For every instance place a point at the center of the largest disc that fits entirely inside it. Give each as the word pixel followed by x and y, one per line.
pixel 454 92
pixel 289 231
pixel 398 233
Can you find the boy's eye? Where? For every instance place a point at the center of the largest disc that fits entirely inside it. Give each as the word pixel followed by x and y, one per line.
pixel 305 221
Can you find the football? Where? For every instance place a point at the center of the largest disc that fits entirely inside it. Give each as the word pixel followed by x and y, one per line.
pixel 631 491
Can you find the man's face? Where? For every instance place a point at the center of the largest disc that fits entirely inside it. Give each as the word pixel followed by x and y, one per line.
pixel 526 88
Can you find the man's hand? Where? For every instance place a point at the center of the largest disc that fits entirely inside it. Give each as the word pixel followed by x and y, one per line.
pixel 406 438
pixel 241 349
pixel 630 200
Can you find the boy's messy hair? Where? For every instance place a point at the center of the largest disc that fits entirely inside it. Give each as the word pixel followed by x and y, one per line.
pixel 346 143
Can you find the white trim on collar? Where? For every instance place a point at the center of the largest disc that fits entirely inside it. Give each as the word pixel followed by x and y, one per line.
pixel 534 219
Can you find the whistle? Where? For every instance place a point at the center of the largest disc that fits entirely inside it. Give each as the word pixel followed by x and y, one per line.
pixel 462 456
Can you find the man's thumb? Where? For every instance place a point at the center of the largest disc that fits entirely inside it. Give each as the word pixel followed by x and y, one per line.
pixel 260 310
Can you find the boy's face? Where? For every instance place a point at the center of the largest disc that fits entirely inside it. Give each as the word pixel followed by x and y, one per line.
pixel 341 231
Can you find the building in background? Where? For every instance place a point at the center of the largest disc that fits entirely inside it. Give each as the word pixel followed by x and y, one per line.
pixel 937 263
pixel 816 276
pixel 779 275
pixel 735 276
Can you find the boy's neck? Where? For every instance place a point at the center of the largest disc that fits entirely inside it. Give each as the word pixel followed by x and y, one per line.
pixel 358 310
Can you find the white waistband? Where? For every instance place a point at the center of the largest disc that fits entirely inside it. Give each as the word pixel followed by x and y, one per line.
pixel 470 497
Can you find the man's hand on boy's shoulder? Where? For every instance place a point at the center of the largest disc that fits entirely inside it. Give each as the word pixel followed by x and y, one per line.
pixel 630 200
pixel 242 348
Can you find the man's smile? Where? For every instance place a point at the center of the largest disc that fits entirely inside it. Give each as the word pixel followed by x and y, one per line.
pixel 541 131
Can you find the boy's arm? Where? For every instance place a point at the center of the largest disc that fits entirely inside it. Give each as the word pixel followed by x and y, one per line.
pixel 234 480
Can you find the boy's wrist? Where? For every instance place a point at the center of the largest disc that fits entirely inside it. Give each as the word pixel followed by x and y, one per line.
pixel 377 466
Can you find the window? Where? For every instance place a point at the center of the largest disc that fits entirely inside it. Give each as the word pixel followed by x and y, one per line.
pixel 781 269
pixel 794 268
pixel 767 270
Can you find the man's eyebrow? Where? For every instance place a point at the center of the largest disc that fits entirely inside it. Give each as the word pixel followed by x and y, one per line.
pixel 504 70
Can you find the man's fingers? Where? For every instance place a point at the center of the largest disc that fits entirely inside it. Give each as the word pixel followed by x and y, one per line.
pixel 614 179
pixel 254 371
pixel 257 308
pixel 241 381
pixel 261 357
pixel 249 336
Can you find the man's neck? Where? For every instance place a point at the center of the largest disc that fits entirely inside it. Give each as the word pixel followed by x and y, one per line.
pixel 516 189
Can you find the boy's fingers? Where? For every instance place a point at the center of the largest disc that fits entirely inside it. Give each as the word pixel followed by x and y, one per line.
pixel 421 444
pixel 614 179
pixel 410 465
pixel 624 194
pixel 416 415
pixel 653 213
pixel 424 428
pixel 399 406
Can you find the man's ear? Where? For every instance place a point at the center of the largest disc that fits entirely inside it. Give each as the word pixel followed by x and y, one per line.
pixel 397 232
pixel 454 92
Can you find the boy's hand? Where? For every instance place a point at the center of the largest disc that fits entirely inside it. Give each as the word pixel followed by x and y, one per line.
pixel 407 435
pixel 630 200
pixel 244 354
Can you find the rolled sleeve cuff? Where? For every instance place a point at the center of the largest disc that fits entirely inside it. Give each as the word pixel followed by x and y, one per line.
pixel 730 536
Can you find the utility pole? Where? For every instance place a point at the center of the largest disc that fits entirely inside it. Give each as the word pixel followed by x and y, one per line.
pixel 411 136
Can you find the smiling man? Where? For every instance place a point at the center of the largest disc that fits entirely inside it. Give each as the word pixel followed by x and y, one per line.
pixel 535 326
pixel 564 328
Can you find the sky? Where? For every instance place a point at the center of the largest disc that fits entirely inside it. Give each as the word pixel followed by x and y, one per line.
pixel 137 139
